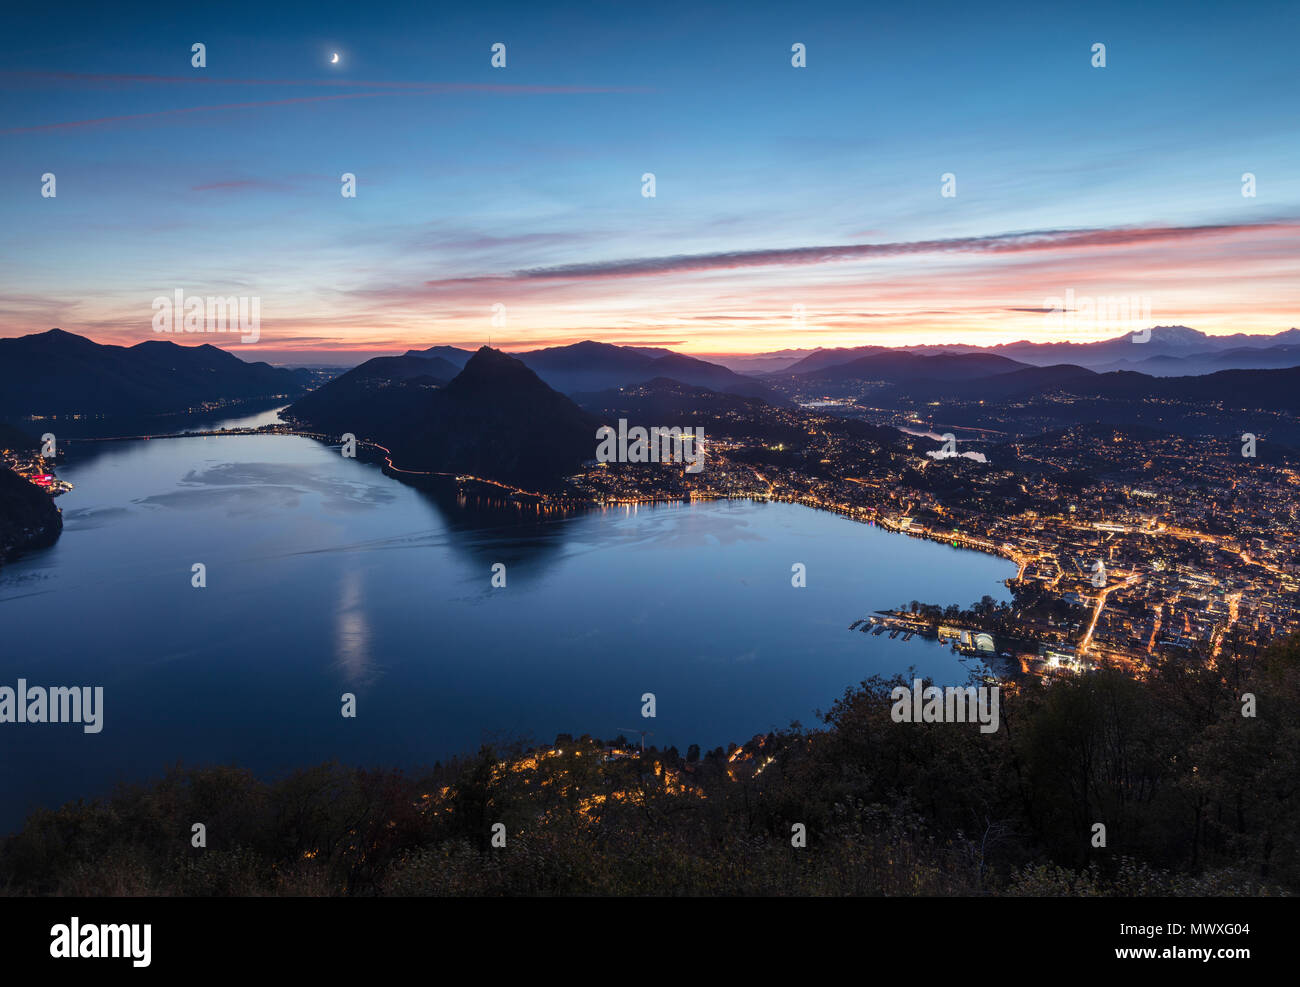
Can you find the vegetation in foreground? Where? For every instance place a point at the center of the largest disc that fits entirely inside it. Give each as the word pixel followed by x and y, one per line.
pixel 1196 798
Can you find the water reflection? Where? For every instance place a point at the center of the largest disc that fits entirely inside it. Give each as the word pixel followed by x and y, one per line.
pixel 352 629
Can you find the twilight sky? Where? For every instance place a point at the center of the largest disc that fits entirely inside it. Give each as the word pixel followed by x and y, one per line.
pixel 776 186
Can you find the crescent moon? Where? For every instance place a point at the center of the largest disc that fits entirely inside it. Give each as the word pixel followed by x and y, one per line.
pixel 334 58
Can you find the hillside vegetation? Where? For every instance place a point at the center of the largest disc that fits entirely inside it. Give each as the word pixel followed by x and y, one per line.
pixel 1196 798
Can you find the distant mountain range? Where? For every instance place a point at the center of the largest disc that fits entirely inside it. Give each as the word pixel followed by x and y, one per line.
pixel 758 364
pixel 417 401
pixel 992 377
pixel 1170 351
pixel 61 373
pixel 1242 358
pixel 494 419
pixel 900 366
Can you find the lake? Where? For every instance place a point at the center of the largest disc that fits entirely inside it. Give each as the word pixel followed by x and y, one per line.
pixel 325 576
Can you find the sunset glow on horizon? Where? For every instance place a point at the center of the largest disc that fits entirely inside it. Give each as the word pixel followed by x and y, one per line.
pixel 794 208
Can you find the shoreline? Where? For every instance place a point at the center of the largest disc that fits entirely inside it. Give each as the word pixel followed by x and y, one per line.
pixel 861 515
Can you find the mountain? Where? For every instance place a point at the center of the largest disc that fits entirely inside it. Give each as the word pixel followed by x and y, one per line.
pixel 942 377
pixel 1208 362
pixel 1025 382
pixel 700 373
pixel 957 377
pixel 399 384
pixel 824 359
pixel 901 367
pixel 403 367
pixel 651 351
pixel 496 419
pixel 588 366
pixel 1269 390
pixel 1177 342
pixel 61 373
pixel 1170 351
pixel 452 354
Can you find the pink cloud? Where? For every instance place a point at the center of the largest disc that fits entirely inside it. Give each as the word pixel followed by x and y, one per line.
pixel 1000 243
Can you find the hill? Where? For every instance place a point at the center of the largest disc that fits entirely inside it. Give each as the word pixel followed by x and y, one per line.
pixel 452 354
pixel 825 359
pixel 16 438
pixel 1165 351
pixel 495 419
pixel 28 517
pixel 901 367
pixel 890 808
pixel 61 373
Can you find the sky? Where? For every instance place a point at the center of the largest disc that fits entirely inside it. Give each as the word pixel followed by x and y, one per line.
pixel 793 207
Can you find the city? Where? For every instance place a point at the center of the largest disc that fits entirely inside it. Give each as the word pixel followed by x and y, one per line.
pixel 1195 545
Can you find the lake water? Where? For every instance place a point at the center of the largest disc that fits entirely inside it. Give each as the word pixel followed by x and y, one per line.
pixel 325 576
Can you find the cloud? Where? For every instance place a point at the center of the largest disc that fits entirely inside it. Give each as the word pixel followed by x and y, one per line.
pixel 239 183
pixel 99 121
pixel 106 79
pixel 375 89
pixel 999 243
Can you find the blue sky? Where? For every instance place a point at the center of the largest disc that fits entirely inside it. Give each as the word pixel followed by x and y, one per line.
pixel 468 175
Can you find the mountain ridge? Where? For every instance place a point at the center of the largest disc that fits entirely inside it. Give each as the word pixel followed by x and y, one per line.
pixel 58 372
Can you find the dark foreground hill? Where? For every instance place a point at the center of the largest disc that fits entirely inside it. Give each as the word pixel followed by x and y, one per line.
pixel 16 438
pixel 494 419
pixel 28 517
pixel 1196 800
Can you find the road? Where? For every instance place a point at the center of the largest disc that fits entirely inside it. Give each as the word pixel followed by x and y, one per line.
pixel 1101 605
